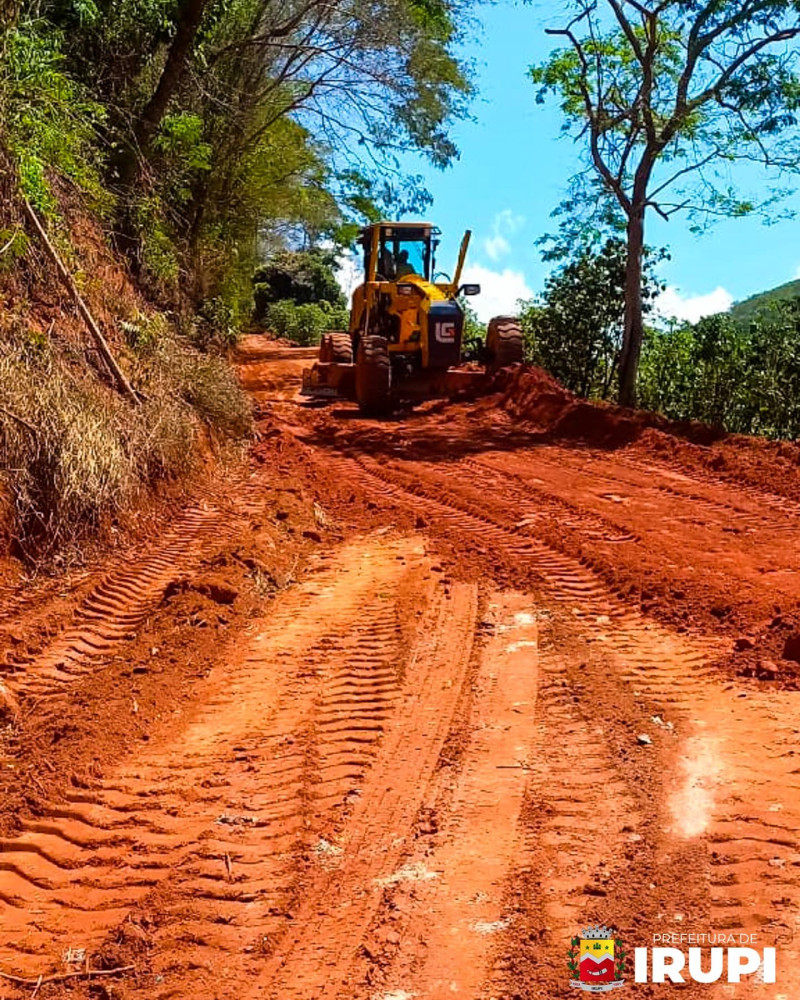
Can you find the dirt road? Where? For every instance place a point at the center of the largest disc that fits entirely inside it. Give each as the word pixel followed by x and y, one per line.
pixel 400 707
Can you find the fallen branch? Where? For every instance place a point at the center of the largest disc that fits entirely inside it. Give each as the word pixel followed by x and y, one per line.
pixel 60 977
pixel 68 282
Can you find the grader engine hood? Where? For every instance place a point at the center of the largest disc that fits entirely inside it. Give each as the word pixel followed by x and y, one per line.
pixel 445 331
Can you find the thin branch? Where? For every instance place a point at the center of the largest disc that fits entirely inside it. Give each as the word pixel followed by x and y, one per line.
pixel 597 156
pixel 627 28
pixel 716 88
pixel 686 170
pixel 22 421
pixel 88 973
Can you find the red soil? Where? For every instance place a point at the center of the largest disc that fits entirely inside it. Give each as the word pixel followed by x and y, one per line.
pixel 400 706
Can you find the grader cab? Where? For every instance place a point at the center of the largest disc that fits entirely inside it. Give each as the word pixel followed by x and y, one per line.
pixel 406 333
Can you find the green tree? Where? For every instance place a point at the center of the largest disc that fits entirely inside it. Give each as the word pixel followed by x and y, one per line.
pixel 305 276
pixel 231 128
pixel 742 375
pixel 575 328
pixel 298 297
pixel 663 93
pixel 474 335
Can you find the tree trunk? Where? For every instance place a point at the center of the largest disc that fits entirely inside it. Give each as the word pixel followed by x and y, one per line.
pixel 152 114
pixel 634 326
pixel 189 17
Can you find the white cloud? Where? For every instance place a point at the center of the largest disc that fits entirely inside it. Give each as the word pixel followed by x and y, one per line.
pixel 505 224
pixel 508 222
pixel 496 247
pixel 672 304
pixel 500 290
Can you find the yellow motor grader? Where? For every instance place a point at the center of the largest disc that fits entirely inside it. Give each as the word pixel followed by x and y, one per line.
pixel 406 332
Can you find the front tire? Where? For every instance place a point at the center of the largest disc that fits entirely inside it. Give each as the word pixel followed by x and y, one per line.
pixel 341 347
pixel 373 376
pixel 504 344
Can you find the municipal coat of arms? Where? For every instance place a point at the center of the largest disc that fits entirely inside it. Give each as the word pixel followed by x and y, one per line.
pixel 596 961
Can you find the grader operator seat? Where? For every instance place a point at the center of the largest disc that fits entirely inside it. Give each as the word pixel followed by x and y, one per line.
pixel 399 249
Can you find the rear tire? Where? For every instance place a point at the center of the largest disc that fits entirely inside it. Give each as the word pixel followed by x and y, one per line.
pixel 373 376
pixel 341 347
pixel 504 344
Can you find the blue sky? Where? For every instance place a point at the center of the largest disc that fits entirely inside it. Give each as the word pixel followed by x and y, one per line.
pixel 513 171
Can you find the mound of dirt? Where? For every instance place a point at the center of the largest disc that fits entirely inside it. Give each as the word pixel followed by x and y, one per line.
pixel 537 399
pixel 772 466
pixel 532 395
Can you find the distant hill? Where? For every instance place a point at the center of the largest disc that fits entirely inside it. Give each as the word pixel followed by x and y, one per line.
pixel 783 293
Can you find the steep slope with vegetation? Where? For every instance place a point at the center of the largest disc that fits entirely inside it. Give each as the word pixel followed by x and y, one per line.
pixel 153 153
pixel 788 292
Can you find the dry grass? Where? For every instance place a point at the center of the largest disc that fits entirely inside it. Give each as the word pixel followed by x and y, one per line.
pixel 74 454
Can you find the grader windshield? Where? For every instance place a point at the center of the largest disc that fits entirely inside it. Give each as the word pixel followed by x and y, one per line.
pixel 403 250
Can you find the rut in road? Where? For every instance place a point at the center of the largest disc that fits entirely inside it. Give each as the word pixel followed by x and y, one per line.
pixel 124 597
pixel 732 784
pixel 435 935
pixel 317 959
pixel 240 819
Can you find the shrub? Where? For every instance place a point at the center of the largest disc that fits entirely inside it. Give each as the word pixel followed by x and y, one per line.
pixel 575 329
pixel 66 466
pixel 302 276
pixel 49 120
pixel 304 324
pixel 743 375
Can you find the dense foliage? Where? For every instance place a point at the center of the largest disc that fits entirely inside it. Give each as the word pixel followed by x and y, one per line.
pixel 574 329
pixel 298 297
pixel 743 376
pixel 212 133
pixel 739 371
pixel 200 139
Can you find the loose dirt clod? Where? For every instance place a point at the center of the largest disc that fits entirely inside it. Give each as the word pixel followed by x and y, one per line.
pixel 9 704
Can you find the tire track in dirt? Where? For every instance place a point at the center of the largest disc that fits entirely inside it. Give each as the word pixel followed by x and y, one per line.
pixel 536 503
pixel 721 739
pixel 659 482
pixel 232 825
pixel 123 599
pixel 581 823
pixel 318 960
pixel 435 937
pixel 763 498
pixel 746 813
pixel 155 811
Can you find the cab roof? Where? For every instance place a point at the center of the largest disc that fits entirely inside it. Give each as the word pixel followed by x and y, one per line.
pixel 423 229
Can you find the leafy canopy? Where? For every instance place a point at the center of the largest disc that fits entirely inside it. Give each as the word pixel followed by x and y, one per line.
pixel 574 329
pixel 665 96
pixel 739 374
